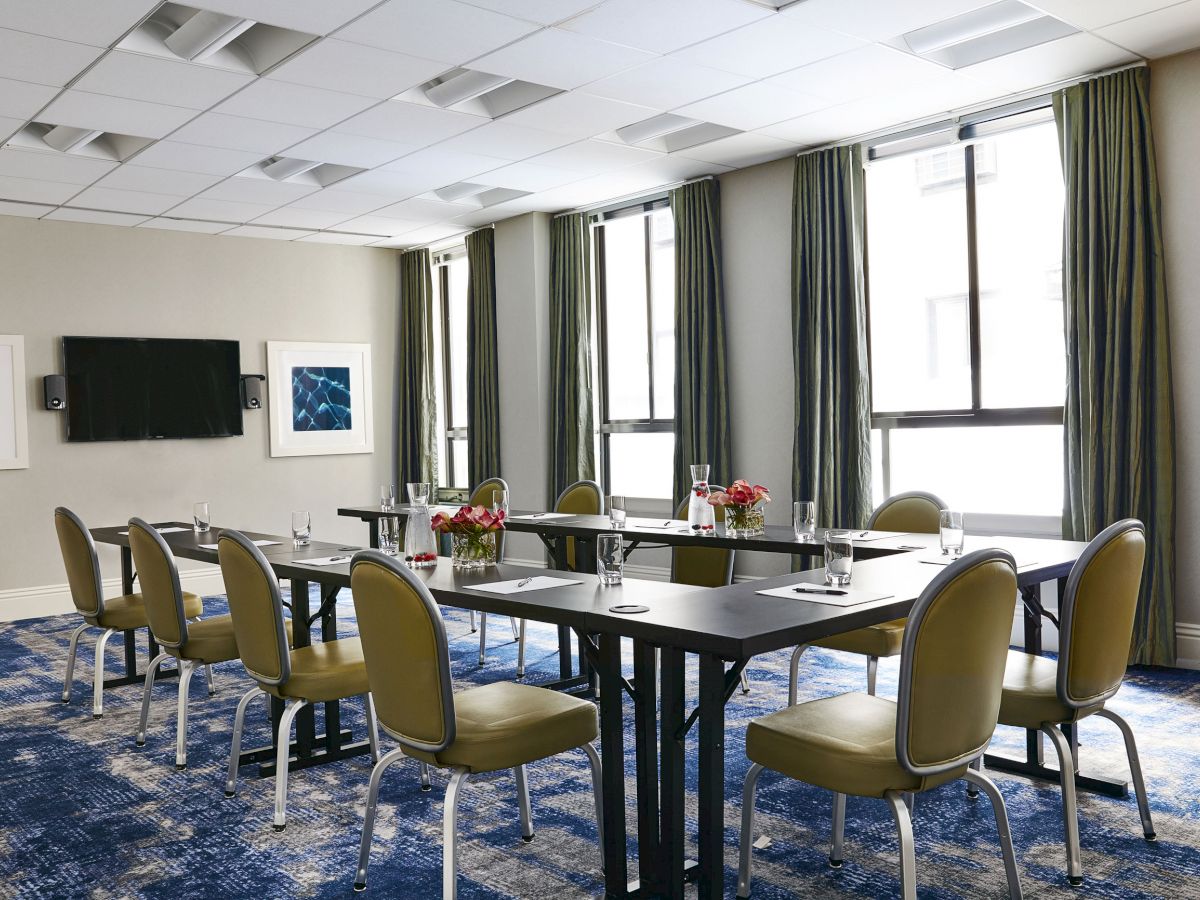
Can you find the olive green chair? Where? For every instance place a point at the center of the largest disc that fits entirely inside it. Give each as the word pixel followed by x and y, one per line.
pixel 111 615
pixel 914 512
pixel 482 496
pixel 320 673
pixel 951 677
pixel 1095 628
pixel 484 729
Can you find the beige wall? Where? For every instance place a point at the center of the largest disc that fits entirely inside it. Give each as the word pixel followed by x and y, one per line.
pixel 65 278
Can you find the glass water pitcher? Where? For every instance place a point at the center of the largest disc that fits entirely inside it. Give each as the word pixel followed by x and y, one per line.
pixel 700 514
pixel 420 543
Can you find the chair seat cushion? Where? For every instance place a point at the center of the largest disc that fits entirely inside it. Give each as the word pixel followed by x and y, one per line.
pixel 845 744
pixel 212 640
pixel 875 640
pixel 503 725
pixel 327 670
pixel 1030 695
pixel 129 611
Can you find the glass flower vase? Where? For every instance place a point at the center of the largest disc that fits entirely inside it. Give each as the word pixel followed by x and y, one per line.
pixel 744 521
pixel 472 550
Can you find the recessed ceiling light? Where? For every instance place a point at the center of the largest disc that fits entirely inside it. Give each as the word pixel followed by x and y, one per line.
pixel 205 33
pixel 986 33
pixel 452 192
pixel 478 93
pixel 479 196
pixel 281 167
pixel 299 171
pixel 464 84
pixel 58 137
pixel 668 132
pixel 66 138
pixel 655 126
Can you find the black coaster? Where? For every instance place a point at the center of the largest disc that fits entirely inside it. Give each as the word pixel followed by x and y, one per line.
pixel 628 609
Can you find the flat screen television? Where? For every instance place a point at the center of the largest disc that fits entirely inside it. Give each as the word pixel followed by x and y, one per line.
pixel 125 389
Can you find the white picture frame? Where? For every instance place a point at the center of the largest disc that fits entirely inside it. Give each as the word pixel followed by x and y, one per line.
pixel 319 395
pixel 14 419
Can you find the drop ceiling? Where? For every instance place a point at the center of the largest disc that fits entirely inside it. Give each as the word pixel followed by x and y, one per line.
pixel 400 171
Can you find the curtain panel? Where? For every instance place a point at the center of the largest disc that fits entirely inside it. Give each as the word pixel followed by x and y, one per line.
pixel 831 461
pixel 416 404
pixel 702 430
pixel 1119 434
pixel 483 370
pixel 572 411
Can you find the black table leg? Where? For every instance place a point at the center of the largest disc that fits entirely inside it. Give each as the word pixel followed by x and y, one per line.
pixel 373 540
pixel 132 676
pixel 671 777
pixel 305 721
pixel 711 877
pixel 612 757
pixel 645 730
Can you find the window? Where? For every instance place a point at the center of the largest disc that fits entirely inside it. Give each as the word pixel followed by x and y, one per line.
pixel 968 365
pixel 635 293
pixel 450 366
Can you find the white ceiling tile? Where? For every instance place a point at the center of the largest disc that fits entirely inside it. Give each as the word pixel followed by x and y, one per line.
pixel 296 217
pixel 753 106
pixel 593 157
pixel 846 120
pixel 22 99
pixel 115 114
pixel 441 167
pixel 193 158
pixel 1091 14
pixel 560 59
pixel 409 123
pixel 544 12
pixel 95 217
pixel 741 150
pixel 1158 34
pixel 158 80
pixel 338 237
pixel 448 31
pixel 24 210
pixel 665 25
pixel 131 177
pixel 240 133
pixel 32 191
pixel 424 211
pixel 82 21
pixel 392 185
pixel 505 140
pixel 349 150
pixel 666 83
pixel 124 201
pixel 681 168
pixel 858 73
pixel 293 104
pixel 42 60
pixel 380 225
pixel 425 234
pixel 9 127
pixel 356 69
pixel 1077 54
pixel 260 231
pixel 186 225
pixel 52 166
pixel 220 210
pixel 257 190
pixel 767 47
pixel 877 20
pixel 527 176
pixel 309 16
pixel 349 203
pixel 579 115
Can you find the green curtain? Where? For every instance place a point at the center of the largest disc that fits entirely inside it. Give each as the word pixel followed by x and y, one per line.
pixel 572 426
pixel 416 410
pixel 701 372
pixel 1119 414
pixel 831 462
pixel 483 369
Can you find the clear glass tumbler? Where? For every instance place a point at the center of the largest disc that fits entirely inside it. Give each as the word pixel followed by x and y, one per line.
pixel 804 520
pixel 950 529
pixel 610 562
pixel 418 492
pixel 389 535
pixel 200 517
pixel 616 511
pixel 839 557
pixel 500 501
pixel 301 528
pixel 387 497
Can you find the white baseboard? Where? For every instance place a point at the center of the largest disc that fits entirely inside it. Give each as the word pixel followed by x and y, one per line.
pixel 55 599
pixel 1187 645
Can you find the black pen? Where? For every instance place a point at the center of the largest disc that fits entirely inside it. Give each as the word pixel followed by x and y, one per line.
pixel 819 590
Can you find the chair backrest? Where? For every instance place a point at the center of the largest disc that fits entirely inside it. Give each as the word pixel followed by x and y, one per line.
pixel 913 512
pixel 256 607
pixel 952 663
pixel 1097 613
pixel 702 566
pixel 404 645
pixel 159 578
pixel 82 564
pixel 583 498
pixel 482 496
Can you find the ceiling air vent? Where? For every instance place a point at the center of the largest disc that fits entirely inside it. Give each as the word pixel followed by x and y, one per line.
pixel 668 132
pixel 59 138
pixel 300 171
pixel 478 93
pixel 983 34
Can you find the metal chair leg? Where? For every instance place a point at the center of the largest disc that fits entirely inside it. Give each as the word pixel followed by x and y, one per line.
pixel 186 668
pixel 450 834
pixel 794 673
pixel 364 850
pixel 872 673
pixel 836 857
pixel 426 785
pixel 472 614
pixel 745 862
pixel 1066 773
pixel 745 679
pixel 526 811
pixel 597 796
pixel 98 674
pixel 282 754
pixel 71 650
pixel 372 726
pixel 515 629
pixel 1135 770
pixel 521 650
pixel 239 722
pixel 908 853
pixel 208 676
pixel 972 777
pixel 972 789
pixel 482 637
pixel 140 737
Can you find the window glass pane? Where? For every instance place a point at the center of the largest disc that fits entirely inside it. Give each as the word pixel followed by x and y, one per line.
pixel 439 383
pixel 457 312
pixel 1015 469
pixel 459 449
pixel 917 239
pixel 641 465
pixel 877 461
pixel 662 308
pixel 625 318
pixel 1019 215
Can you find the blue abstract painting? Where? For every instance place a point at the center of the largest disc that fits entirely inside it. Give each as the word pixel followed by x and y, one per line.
pixel 320 398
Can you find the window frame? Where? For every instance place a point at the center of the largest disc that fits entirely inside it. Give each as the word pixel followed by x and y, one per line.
pixel 441 274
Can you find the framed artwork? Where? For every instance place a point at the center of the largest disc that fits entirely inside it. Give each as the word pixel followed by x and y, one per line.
pixel 319 398
pixel 14 423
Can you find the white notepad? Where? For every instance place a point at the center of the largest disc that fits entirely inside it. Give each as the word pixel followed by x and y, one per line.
pixel 861 537
pixel 256 544
pixel 170 529
pixel 323 561
pixel 536 583
pixel 545 515
pixel 946 560
pixel 852 597
pixel 656 524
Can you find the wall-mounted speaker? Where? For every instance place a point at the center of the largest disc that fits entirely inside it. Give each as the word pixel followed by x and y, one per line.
pixel 252 391
pixel 54 387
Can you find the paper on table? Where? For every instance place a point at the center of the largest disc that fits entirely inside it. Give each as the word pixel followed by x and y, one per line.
pixel 536 583
pixel 872 535
pixel 545 515
pixel 656 524
pixel 170 529
pixel 256 544
pixel 323 561
pixel 852 597
pixel 946 560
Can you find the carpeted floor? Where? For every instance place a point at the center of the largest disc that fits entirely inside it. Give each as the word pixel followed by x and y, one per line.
pixel 83 813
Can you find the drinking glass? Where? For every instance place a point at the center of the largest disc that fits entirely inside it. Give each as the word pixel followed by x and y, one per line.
pixel 418 493
pixel 387 497
pixel 200 519
pixel 839 557
pixel 301 528
pixel 610 562
pixel 804 520
pixel 616 512
pixel 950 529
pixel 500 501
pixel 389 535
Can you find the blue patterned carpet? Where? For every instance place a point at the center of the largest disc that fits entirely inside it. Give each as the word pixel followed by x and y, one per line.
pixel 83 813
